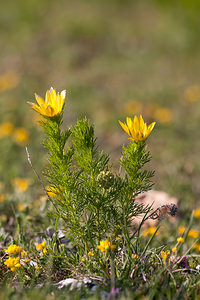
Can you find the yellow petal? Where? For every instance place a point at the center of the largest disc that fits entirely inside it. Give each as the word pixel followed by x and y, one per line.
pixel 136 124
pixel 141 123
pixel 39 100
pixel 150 128
pixel 124 126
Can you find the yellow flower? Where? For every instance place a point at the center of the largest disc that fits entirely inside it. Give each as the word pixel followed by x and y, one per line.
pixel 181 230
pixel 197 213
pixel 149 231
pixel 24 253
pixel 197 247
pixel 6 129
pixel 90 253
pixel 21 136
pixel 164 255
pixel 52 105
pixel 193 233
pixel 174 249
pixel 44 250
pixel 180 240
pixel 135 256
pixel 105 245
pixel 2 198
pixel 8 81
pixel 21 207
pixel 13 263
pixel 192 93
pixel 163 114
pixel 83 259
pixel 13 249
pixel 41 247
pixel 21 184
pixel 137 129
pixel 37 267
pixel 52 191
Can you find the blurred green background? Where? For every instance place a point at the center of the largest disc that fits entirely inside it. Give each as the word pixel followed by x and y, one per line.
pixel 115 58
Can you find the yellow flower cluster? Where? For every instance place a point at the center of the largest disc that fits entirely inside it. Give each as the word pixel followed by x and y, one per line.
pixel 197 247
pixel 135 256
pixel 13 263
pixel 52 105
pixel 42 247
pixel 164 255
pixel 149 231
pixel 52 191
pixel 181 230
pixel 15 254
pixel 192 93
pixel 137 129
pixel 6 129
pixel 193 234
pixel 20 135
pixel 105 246
pixel 21 184
pixel 13 249
pixel 180 240
pixel 197 213
pixel 8 81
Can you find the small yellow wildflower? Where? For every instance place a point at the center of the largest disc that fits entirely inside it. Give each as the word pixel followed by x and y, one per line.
pixel 149 231
pixel 13 263
pixel 197 213
pixel 180 240
pixel 83 259
pixel 117 238
pixel 193 234
pixel 41 246
pixel 90 253
pixel 21 184
pixel 37 267
pixel 51 191
pixel 197 247
pixel 163 114
pixel 52 105
pixel 13 249
pixel 105 245
pixel 174 249
pixel 137 129
pixel 8 81
pixel 192 93
pixel 2 198
pixel 164 255
pixel 20 136
pixel 21 207
pixel 6 129
pixel 24 253
pixel 135 256
pixel 181 230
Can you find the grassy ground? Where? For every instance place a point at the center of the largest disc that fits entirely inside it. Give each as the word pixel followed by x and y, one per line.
pixel 115 59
